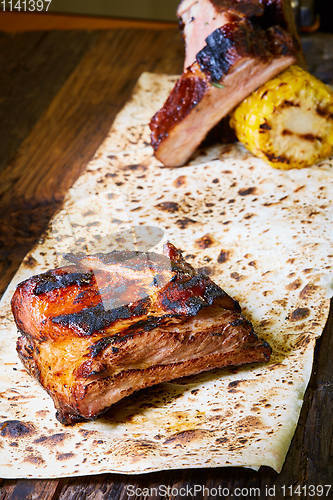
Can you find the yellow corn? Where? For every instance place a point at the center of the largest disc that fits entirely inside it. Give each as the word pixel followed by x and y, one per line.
pixel 288 121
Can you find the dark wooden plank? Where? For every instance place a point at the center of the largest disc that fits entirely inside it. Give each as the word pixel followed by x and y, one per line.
pixel 16 22
pixel 28 490
pixel 66 136
pixel 318 48
pixel 32 72
pixel 68 133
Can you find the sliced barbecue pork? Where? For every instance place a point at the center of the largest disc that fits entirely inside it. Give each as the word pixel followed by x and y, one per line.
pixel 108 325
pixel 238 58
pixel 199 18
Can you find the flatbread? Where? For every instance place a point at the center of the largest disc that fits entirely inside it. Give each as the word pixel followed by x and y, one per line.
pixel 264 235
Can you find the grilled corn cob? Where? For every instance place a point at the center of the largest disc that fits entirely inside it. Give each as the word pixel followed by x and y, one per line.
pixel 288 121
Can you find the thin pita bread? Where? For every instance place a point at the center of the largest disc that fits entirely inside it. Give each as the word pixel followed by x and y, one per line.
pixel 264 235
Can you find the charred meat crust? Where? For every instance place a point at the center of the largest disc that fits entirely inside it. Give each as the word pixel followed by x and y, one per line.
pixel 194 326
pixel 93 319
pixel 189 91
pixel 50 281
pixel 176 292
pixel 198 19
pixel 227 44
pixel 224 48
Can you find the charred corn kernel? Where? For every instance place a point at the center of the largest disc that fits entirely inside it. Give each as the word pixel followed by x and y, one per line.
pixel 288 121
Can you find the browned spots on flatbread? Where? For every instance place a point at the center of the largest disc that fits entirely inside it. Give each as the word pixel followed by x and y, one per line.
pixel 187 436
pixel 247 191
pixel 300 327
pixel 299 314
pixel 307 291
pixel 236 276
pixel 98 441
pixel 219 418
pixel 303 341
pixel 86 433
pixel 168 206
pixel 242 440
pixel 221 440
pixel 65 456
pixel 235 383
pixel 205 241
pixel 180 181
pixel 134 448
pixel 294 285
pixel 238 385
pixel 271 203
pixel 185 222
pixel 30 261
pixel 15 428
pixel 135 166
pixel 224 255
pixel 247 424
pixel 53 439
pixel 281 302
pixel 265 322
pixel 34 459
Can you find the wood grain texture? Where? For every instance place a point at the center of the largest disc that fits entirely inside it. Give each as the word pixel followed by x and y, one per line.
pixel 74 86
pixel 13 22
pixel 64 135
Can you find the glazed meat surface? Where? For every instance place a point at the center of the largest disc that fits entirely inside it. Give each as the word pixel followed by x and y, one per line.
pixel 108 325
pixel 199 18
pixel 238 58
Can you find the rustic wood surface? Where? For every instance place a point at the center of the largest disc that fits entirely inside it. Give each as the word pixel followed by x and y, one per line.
pixel 14 22
pixel 59 93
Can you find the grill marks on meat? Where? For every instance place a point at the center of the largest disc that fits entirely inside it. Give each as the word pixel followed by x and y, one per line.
pixel 199 18
pixel 114 291
pixel 232 47
pixel 50 281
pixel 172 322
pixel 227 45
pixel 237 59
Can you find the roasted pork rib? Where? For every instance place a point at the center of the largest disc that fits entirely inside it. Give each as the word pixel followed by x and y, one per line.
pixel 199 18
pixel 105 326
pixel 238 58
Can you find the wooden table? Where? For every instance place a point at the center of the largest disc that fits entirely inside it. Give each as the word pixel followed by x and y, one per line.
pixel 59 93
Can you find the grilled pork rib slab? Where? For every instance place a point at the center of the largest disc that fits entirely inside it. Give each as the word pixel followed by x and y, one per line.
pixel 199 18
pixel 109 325
pixel 237 59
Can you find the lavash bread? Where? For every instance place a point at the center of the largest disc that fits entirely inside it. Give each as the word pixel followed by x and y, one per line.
pixel 264 235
